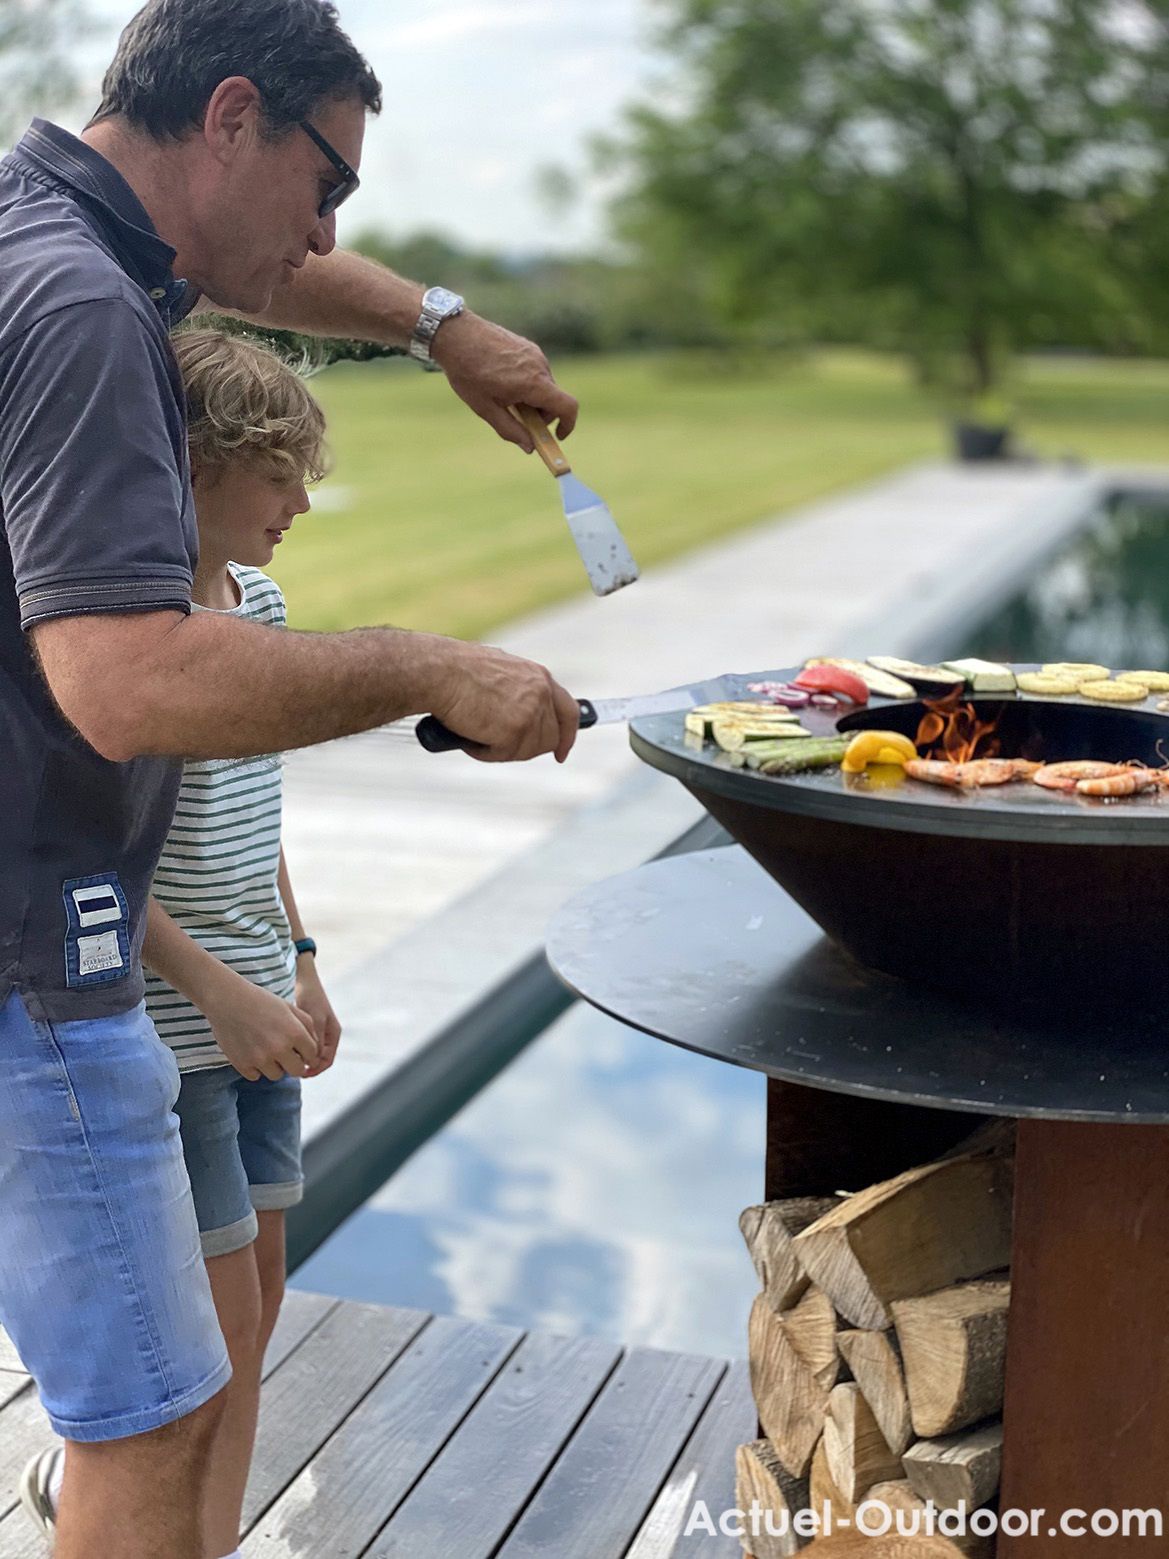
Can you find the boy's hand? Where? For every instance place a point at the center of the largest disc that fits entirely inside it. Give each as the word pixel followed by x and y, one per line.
pixel 259 1034
pixel 311 999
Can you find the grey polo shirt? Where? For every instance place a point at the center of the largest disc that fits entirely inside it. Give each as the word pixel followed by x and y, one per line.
pixel 95 516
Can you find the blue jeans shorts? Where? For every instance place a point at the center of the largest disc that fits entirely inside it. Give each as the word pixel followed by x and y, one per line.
pixel 103 1288
pixel 241 1141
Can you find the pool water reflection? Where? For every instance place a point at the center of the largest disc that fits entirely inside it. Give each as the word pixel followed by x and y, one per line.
pixel 1105 599
pixel 593 1187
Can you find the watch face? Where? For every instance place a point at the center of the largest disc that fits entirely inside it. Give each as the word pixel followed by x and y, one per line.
pixel 439 300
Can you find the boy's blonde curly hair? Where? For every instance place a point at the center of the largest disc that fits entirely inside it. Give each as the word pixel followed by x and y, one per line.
pixel 242 399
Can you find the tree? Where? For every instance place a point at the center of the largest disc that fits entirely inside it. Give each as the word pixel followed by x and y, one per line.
pixel 956 178
pixel 37 38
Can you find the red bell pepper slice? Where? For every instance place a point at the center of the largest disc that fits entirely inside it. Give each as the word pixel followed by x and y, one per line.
pixel 834 680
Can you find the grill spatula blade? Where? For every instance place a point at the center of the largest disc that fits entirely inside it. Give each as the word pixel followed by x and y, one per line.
pixel 603 550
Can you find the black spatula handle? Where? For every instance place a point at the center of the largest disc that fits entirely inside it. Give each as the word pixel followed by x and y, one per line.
pixel 436 737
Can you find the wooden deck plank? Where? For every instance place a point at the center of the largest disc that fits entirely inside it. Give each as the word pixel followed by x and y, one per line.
pixel 317 1387
pixel 342 1500
pixel 19 1539
pixel 300 1314
pixel 600 1491
pixel 704 1472
pixel 470 1496
pixel 9 1358
pixel 24 1430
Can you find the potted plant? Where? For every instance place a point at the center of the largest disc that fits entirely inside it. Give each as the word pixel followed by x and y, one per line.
pixel 982 430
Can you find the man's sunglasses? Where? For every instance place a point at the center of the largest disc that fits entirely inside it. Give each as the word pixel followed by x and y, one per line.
pixel 350 181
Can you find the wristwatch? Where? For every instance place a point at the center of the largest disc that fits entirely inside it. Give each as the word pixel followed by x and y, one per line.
pixel 305 944
pixel 438 304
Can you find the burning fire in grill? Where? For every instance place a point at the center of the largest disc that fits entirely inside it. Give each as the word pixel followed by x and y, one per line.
pixel 951 730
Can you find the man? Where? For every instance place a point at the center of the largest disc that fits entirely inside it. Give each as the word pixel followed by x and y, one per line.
pixel 229 132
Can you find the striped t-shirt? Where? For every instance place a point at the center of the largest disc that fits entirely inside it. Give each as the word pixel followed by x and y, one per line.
pixel 217 876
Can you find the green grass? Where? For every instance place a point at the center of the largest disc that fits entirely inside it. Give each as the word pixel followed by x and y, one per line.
pixel 432 522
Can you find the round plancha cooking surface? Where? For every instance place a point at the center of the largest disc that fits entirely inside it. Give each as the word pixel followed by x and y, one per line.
pixel 1030 726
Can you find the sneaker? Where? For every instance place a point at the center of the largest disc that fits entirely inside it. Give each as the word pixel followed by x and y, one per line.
pixel 36 1483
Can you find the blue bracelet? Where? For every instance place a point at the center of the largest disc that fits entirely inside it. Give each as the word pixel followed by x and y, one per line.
pixel 305 945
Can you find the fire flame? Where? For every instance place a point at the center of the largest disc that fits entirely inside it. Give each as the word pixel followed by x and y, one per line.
pixel 953 731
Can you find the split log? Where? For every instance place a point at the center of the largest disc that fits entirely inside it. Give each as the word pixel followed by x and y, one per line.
pixel 769 1230
pixel 957 1469
pixel 827 1501
pixel 791 1401
pixel 954 1349
pixel 813 1329
pixel 923 1230
pixel 760 1476
pixel 875 1361
pixel 900 1498
pixel 857 1452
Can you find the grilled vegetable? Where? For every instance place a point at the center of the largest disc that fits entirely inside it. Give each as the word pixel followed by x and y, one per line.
pixel 839 681
pixel 700 721
pixel 1083 671
pixel 1117 692
pixel 795 757
pixel 877 747
pixel 733 734
pixel 935 680
pixel 1047 684
pixel 984 676
pixel 1155 681
pixel 878 682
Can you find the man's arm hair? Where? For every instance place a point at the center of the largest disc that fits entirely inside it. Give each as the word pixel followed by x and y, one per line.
pixel 205 686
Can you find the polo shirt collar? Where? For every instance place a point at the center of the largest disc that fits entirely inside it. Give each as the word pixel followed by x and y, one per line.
pixel 85 173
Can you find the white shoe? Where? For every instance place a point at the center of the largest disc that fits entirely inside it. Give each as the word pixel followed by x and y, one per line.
pixel 36 1484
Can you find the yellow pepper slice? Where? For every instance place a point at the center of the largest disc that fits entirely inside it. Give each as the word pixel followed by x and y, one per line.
pixel 877 747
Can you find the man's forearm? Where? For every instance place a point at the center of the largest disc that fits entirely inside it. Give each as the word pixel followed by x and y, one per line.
pixel 219 687
pixel 344 294
pixel 213 686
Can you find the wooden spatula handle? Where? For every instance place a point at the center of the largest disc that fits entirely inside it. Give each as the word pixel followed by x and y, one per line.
pixel 547 448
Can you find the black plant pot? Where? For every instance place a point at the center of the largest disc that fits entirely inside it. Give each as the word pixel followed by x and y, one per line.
pixel 975 441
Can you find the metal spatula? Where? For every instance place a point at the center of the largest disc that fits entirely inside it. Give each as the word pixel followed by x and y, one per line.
pixel 604 553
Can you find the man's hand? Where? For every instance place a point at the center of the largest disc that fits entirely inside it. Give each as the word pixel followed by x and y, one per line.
pixel 311 999
pixel 492 369
pixel 511 708
pixel 259 1034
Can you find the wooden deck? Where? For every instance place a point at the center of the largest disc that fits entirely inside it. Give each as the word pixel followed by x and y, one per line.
pixel 393 1432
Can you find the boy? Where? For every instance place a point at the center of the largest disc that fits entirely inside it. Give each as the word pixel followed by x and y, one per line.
pixel 232 985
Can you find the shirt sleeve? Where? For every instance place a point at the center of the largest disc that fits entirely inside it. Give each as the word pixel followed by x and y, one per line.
pixel 93 475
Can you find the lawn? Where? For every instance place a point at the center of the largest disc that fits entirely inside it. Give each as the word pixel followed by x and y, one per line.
pixel 429 521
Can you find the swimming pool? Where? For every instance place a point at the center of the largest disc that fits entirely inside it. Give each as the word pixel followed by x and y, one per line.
pixel 1104 599
pixel 593 1187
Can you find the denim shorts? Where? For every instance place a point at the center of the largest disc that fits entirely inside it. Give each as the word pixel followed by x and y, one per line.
pixel 103 1288
pixel 241 1141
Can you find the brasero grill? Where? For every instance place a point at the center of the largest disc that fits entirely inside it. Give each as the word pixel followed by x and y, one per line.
pixel 1014 894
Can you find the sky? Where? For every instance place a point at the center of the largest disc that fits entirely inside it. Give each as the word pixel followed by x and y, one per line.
pixel 479 95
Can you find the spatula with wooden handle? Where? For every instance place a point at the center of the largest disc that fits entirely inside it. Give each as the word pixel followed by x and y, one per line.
pixel 607 560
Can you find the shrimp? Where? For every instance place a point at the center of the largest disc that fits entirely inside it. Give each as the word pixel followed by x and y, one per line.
pixel 1129 783
pixel 1066 776
pixel 932 772
pixel 968 776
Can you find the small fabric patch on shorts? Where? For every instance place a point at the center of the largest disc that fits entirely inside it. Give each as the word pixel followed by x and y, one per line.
pixel 97 934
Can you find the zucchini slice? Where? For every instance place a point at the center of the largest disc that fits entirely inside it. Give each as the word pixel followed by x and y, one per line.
pixel 878 682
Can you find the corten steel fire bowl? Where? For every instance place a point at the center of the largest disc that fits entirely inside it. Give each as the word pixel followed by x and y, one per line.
pixel 1013 894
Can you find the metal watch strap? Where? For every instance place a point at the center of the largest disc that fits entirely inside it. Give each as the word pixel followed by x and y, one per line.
pixel 429 323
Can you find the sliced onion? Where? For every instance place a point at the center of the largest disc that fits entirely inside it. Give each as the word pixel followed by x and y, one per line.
pixel 783 693
pixel 824 701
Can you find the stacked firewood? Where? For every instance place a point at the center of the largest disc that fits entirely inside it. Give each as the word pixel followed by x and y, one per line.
pixel 878 1344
